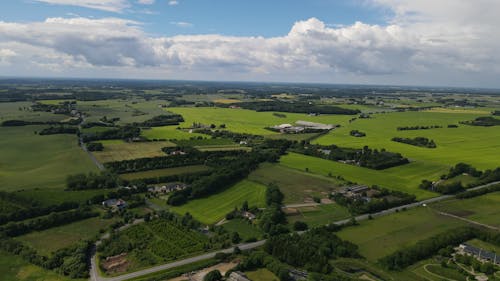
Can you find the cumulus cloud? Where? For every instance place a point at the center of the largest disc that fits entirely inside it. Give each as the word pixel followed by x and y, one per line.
pixel 146 2
pixel 182 23
pixel 173 2
pixel 104 5
pixel 420 42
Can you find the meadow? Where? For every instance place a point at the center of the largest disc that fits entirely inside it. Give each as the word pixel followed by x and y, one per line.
pixel 118 150
pixel 245 229
pixel 212 209
pixel 50 240
pixel 404 178
pixel 297 186
pixel 168 133
pixel 320 215
pixel 384 235
pixel 128 110
pixel 33 161
pixel 20 111
pixel 261 275
pixel 165 172
pixel 483 209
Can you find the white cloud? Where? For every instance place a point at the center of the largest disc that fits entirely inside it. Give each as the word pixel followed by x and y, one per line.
pixel 422 44
pixel 182 23
pixel 146 2
pixel 173 2
pixel 104 5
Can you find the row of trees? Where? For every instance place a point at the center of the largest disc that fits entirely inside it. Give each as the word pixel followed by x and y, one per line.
pixel 410 128
pixel 486 121
pixel 125 133
pixel 297 107
pixel 385 199
pixel 365 157
pixel 52 130
pixel 92 181
pixel 418 141
pixel 162 120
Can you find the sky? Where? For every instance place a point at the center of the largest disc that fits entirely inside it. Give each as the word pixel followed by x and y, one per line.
pixel 389 42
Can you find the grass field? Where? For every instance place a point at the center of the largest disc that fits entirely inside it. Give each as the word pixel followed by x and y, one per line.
pixel 20 111
pixel 404 178
pixel 297 186
pixel 485 246
pixel 261 275
pixel 118 151
pixel 213 208
pixel 13 268
pixel 168 133
pixel 52 196
pixel 320 215
pixel 30 161
pixel 484 209
pixel 245 229
pixel 382 236
pixel 165 172
pixel 52 239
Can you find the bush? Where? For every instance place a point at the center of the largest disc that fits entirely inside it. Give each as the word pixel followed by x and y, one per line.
pixel 300 226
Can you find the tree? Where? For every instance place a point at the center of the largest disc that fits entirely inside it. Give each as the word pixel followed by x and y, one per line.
pixel 213 275
pixel 235 238
pixel 300 226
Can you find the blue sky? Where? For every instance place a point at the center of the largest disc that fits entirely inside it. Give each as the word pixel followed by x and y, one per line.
pixel 425 42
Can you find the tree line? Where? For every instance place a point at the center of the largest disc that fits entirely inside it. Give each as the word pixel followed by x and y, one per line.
pixel 417 141
pixel 410 128
pixel 296 107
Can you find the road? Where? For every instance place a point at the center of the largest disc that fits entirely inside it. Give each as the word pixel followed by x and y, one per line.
pixel 84 147
pixel 94 276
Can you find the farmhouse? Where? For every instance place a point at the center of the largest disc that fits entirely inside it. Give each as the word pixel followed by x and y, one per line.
pixel 115 204
pixel 248 215
pixel 167 188
pixel 238 276
pixel 478 253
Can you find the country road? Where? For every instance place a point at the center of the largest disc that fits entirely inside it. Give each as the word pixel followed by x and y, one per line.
pixel 94 275
pixel 84 147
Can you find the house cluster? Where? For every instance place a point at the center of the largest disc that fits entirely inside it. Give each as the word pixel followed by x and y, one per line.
pixel 115 204
pixel 478 253
pixel 167 188
pixel 362 192
pixel 301 126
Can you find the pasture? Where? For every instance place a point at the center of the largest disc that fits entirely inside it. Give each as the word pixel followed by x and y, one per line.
pixel 245 229
pixel 21 111
pixel 483 209
pixel 32 161
pixel 297 186
pixel 214 208
pixel 261 275
pixel 120 150
pixel 384 235
pixel 14 268
pixel 165 172
pixel 50 240
pixel 319 215
pixel 404 178
pixel 168 133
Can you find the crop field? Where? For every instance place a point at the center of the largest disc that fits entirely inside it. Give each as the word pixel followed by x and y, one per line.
pixel 129 111
pixel 165 172
pixel 20 111
pixel 53 239
pixel 297 186
pixel 214 208
pixel 483 209
pixel 168 133
pixel 248 121
pixel 118 151
pixel 156 241
pixel 14 268
pixel 32 161
pixel 382 236
pixel 245 229
pixel 320 215
pixel 404 178
pixel 469 144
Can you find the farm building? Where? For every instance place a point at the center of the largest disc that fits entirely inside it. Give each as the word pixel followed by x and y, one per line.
pixel 115 204
pixel 478 253
pixel 238 276
pixel 248 215
pixel 167 188
pixel 312 125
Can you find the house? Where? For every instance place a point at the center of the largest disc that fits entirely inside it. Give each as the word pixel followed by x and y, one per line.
pixel 238 276
pixel 478 253
pixel 167 188
pixel 296 274
pixel 115 204
pixel 248 215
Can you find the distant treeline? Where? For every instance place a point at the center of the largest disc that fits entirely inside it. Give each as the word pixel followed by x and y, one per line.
pixel 410 128
pixel 162 120
pixel 365 157
pixel 53 130
pixel 478 192
pixel 418 141
pixel 296 107
pixel 125 133
pixel 486 121
pixel 496 113
pixel 92 181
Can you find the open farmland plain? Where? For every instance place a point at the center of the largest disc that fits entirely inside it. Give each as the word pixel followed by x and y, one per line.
pixel 119 150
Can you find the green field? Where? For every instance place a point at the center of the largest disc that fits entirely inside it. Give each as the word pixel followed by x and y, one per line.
pixel 404 178
pixel 213 208
pixel 484 209
pixel 297 186
pixel 165 172
pixel 119 151
pixel 33 161
pixel 20 111
pixel 53 196
pixel 53 239
pixel 484 245
pixel 229 147
pixel 382 236
pixel 320 215
pixel 261 275
pixel 14 268
pixel 168 133
pixel 245 229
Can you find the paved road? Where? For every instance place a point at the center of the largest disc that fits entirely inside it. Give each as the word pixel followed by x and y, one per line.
pixel 94 276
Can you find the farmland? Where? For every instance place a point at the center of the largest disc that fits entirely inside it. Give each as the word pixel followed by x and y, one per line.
pixel 382 236
pixel 297 186
pixel 213 208
pixel 30 161
pixel 118 151
pixel 245 229
pixel 319 215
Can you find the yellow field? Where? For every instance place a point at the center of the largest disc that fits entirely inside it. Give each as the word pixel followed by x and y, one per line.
pixel 118 151
pixel 227 101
